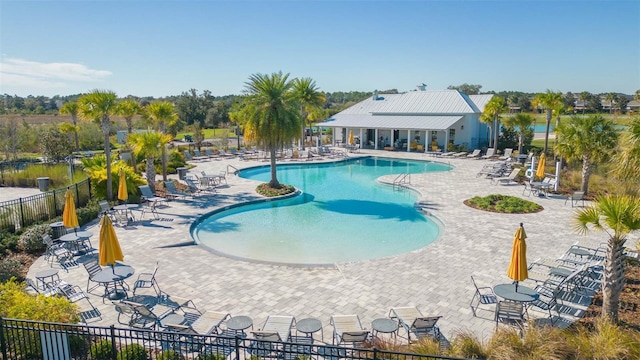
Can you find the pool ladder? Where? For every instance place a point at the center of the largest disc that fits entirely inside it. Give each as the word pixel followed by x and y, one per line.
pixel 401 181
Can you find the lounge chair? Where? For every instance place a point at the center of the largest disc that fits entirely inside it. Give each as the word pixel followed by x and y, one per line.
pixel 150 199
pixel 492 169
pixel 55 250
pixel 348 329
pixel 508 179
pixel 485 296
pixel 210 154
pixel 225 154
pixel 199 156
pixel 576 197
pixel 172 191
pixel 206 323
pixel 507 154
pixel 276 326
pixel 490 153
pixel 474 154
pixel 460 154
pixel 413 321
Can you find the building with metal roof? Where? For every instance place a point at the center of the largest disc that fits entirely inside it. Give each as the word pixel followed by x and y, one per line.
pixel 413 121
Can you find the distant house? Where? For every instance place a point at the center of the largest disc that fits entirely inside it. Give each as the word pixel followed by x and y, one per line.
pixel 414 121
pixel 633 106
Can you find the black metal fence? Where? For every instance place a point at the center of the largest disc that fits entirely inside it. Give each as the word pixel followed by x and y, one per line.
pixel 22 212
pixel 23 339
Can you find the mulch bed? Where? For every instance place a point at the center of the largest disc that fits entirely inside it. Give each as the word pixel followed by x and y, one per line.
pixel 629 310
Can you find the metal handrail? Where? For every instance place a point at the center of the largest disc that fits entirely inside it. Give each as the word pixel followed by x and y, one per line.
pixel 400 180
pixel 233 167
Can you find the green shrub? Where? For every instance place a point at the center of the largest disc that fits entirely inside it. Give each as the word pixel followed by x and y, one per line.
pixel 503 204
pixel 211 357
pixel 8 242
pixel 88 213
pixel 78 345
pixel 133 352
pixel 170 355
pixel 31 240
pixel 10 267
pixel 16 303
pixel 101 350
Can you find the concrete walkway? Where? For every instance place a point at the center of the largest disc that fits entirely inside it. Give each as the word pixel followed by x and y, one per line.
pixel 435 278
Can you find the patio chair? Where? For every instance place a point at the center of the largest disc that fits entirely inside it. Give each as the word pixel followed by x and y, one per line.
pixel 225 154
pixel 413 321
pixel 74 294
pixel 506 179
pixel 510 313
pixel 172 190
pixel 141 315
pixel 55 251
pixel 92 268
pixel 485 296
pixel 548 300
pixel 147 281
pixel 475 154
pixel 529 189
pixel 47 291
pixel 106 209
pixel 577 196
pixel 198 155
pixel 490 153
pixel 492 170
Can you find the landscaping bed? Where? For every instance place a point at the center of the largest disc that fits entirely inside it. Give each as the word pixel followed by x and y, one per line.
pixel 503 204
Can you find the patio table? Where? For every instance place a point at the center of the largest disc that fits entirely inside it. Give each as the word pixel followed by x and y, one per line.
pixel 508 292
pixel 112 277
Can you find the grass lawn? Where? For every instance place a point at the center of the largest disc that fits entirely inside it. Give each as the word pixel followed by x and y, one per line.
pixel 208 133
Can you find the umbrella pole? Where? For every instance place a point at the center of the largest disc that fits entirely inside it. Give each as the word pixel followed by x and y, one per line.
pixel 516 286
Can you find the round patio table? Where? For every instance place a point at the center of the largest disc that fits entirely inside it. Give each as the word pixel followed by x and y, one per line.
pixel 112 277
pixel 239 323
pixel 309 326
pixel 508 292
pixel 42 276
pixel 126 210
pixel 75 238
pixel 384 325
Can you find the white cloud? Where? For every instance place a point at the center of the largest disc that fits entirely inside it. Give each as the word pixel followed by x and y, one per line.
pixel 37 75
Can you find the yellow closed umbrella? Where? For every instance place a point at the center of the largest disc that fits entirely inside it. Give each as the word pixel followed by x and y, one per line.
pixel 350 137
pixel 69 215
pixel 109 250
pixel 518 266
pixel 122 187
pixel 541 164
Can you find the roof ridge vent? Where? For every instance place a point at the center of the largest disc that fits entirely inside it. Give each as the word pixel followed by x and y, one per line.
pixel 422 87
pixel 375 96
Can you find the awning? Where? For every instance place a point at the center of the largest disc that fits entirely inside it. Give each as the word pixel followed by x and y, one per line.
pixel 405 122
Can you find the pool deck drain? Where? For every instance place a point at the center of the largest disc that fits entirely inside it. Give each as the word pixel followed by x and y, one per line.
pixel 435 278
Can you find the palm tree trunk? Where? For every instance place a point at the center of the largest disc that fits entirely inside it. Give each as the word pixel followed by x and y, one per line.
pixel 613 278
pixel 74 118
pixel 496 133
pixel 164 163
pixel 151 174
pixel 546 133
pixel 129 131
pixel 106 129
pixel 520 141
pixel 274 178
pixel 586 173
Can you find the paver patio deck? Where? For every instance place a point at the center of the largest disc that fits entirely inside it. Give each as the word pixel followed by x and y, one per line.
pixel 435 278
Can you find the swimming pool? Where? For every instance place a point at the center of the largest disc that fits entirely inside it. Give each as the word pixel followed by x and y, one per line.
pixel 342 215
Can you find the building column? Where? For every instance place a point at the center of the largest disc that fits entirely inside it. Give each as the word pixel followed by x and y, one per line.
pixel 408 140
pixel 376 141
pixel 446 141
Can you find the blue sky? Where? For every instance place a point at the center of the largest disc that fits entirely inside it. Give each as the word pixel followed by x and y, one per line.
pixel 161 48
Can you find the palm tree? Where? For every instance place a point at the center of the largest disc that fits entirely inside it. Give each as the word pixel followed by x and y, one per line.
pixel 584 96
pixel 149 144
pixel 128 109
pixel 617 216
pixel 270 113
pixel 99 105
pixel 522 121
pixel 636 96
pixel 627 160
pixel 548 101
pixel 611 98
pixel 161 115
pixel 310 99
pixel 71 108
pixel 589 139
pixel 491 114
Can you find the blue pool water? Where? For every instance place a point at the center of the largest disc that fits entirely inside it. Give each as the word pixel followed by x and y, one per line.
pixel 342 215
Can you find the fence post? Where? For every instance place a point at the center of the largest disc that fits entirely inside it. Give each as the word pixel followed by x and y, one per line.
pixel 237 346
pixel 21 215
pixel 113 341
pixel 375 353
pixel 3 345
pixel 55 205
pixel 77 196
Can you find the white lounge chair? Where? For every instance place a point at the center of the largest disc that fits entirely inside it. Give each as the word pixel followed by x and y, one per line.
pixel 507 179
pixel 348 329
pixel 412 320
pixel 474 154
pixel 490 153
pixel 507 154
